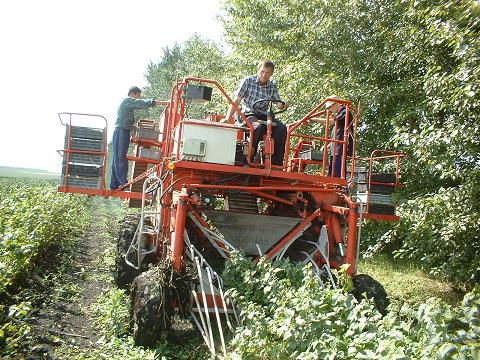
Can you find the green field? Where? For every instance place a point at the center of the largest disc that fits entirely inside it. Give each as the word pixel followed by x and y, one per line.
pixel 16 172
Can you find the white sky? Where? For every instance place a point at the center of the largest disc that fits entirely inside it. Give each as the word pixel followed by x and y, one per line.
pixel 80 56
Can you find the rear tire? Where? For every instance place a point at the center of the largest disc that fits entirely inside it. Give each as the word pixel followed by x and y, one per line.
pixel 366 285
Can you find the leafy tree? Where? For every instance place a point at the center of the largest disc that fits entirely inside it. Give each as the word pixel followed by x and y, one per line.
pixel 196 57
pixel 391 55
pixel 415 66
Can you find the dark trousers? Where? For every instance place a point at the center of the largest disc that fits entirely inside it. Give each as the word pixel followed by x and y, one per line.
pixel 121 141
pixel 279 135
pixel 337 170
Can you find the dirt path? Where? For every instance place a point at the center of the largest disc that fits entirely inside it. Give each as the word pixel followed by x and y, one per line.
pixel 65 315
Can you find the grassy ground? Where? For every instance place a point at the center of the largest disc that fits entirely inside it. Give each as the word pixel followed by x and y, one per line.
pixel 406 282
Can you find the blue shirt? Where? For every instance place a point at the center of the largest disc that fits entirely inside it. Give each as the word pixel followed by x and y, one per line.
pixel 125 115
pixel 251 90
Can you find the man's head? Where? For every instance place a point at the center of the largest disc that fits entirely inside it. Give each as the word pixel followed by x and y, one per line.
pixel 333 106
pixel 135 92
pixel 265 70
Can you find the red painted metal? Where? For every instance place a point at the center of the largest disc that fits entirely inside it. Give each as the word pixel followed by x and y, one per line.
pixel 68 149
pixel 316 199
pixel 352 220
pixel 275 250
pixel 178 240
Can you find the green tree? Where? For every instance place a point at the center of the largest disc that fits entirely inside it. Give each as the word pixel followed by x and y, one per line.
pixel 415 67
pixel 392 55
pixel 196 57
pixel 414 64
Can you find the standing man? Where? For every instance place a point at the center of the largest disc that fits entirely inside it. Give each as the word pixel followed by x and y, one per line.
pixel 257 87
pixel 339 111
pixel 121 135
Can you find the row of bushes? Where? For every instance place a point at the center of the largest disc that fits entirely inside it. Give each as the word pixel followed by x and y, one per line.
pixel 440 232
pixel 287 315
pixel 33 217
pixel 35 220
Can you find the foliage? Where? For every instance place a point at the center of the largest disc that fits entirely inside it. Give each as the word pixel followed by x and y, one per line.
pixel 32 218
pixel 14 329
pixel 440 233
pixel 405 281
pixel 111 313
pixel 198 58
pixel 414 65
pixel 286 314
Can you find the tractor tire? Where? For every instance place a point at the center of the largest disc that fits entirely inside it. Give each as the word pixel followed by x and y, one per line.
pixel 124 273
pixel 151 309
pixel 365 285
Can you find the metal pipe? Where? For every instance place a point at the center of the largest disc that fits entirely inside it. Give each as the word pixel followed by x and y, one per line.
pixel 217 315
pixel 205 305
pixel 202 327
pixel 178 240
pixel 359 233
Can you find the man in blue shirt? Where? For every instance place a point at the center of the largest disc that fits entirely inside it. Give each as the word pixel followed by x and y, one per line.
pixel 258 87
pixel 121 135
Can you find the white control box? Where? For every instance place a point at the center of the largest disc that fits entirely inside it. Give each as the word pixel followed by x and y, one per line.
pixel 200 141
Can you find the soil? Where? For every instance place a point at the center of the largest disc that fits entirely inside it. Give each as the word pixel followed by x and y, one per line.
pixel 64 316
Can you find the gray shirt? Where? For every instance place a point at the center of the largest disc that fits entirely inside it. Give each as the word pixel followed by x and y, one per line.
pixel 125 115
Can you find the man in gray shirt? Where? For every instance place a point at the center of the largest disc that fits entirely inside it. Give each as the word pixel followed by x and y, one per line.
pixel 121 135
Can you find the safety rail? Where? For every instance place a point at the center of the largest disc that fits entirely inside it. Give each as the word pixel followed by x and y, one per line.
pixel 85 156
pixel 174 119
pixel 375 186
pixel 322 117
pixel 176 114
pixel 84 153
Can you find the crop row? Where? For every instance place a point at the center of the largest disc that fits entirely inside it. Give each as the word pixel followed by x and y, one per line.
pixel 33 218
pixel 286 315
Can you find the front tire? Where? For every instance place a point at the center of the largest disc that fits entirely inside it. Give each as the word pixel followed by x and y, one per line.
pixel 124 273
pixel 152 307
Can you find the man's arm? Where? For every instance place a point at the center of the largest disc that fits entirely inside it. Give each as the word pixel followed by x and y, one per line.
pixel 276 95
pixel 137 104
pixel 231 110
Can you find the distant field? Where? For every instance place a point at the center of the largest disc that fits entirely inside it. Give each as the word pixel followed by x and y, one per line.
pixel 6 171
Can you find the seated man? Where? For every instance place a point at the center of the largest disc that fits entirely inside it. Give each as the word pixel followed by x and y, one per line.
pixel 339 111
pixel 258 87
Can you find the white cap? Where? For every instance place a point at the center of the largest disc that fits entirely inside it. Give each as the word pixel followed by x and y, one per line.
pixel 328 104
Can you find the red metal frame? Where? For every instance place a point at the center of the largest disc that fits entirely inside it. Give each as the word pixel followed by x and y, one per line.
pixel 68 150
pixel 387 156
pixel 277 186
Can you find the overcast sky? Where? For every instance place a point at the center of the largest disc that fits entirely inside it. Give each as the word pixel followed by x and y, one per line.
pixel 80 56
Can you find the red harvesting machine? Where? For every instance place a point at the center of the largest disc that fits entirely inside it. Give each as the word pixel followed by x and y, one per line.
pixel 203 192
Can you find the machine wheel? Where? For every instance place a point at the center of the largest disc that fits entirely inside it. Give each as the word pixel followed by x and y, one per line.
pixel 365 284
pixel 124 273
pixel 152 307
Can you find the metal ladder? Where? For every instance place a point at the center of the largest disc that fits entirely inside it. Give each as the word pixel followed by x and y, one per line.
pixel 149 225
